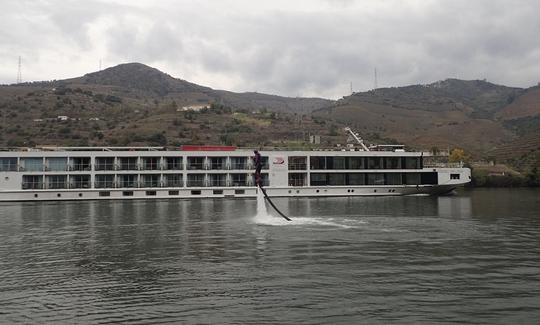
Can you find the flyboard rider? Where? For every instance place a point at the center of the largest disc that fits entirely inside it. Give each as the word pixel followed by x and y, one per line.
pixel 257 159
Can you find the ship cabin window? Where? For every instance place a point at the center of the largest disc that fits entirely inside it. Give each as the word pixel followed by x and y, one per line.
pixel 392 162
pixel 454 176
pixel 80 164
pixel 297 163
pixel 337 179
pixel 239 192
pixel 217 192
pixel 174 163
pixel 375 163
pixel 217 180
pixel 79 181
pixel 317 162
pixel 356 163
pixel 56 164
pixel 238 163
pixel 174 192
pixel 429 178
pixel 217 163
pixel 393 179
pixel 375 179
pixel 128 163
pixel 412 162
pixel 195 163
pixel 151 193
pixel 195 180
pixel 32 182
pixel 297 179
pixel 104 163
pixel 196 192
pixel 104 181
pixel 411 178
pixel 173 180
pixel 356 179
pixel 238 179
pixel 8 164
pixel 56 181
pixel 318 179
pixel 151 180
pixel 127 180
pixel 151 163
pixel 32 164
pixel 127 193
pixel 264 161
pixel 103 193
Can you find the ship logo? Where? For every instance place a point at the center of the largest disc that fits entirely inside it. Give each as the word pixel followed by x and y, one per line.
pixel 278 161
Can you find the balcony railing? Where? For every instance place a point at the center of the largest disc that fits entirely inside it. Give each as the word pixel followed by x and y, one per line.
pixel 218 182
pixel 238 166
pixel 104 184
pixel 297 166
pixel 32 186
pixel 195 183
pixel 195 166
pixel 297 182
pixel 177 183
pixel 151 166
pixel 80 167
pixel 104 167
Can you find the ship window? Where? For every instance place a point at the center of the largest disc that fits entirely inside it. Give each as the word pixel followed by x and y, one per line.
pixel 151 193
pixel 195 163
pixel 80 164
pixel 412 163
pixel 151 163
pixel 217 180
pixel 195 180
pixel 297 179
pixel 375 179
pixel 79 181
pixel 238 179
pixel 317 163
pixel 356 163
pixel 318 179
pixel 374 162
pixel 174 192
pixel 429 178
pixel 128 163
pixel 238 163
pixel 454 176
pixel 297 163
pixel 411 178
pixel 32 182
pixel 104 181
pixel 217 191
pixel 173 163
pixel 151 180
pixel 339 163
pixel 57 164
pixel 127 193
pixel 8 164
pixel 32 164
pixel 59 195
pixel 392 162
pixel 56 181
pixel 393 179
pixel 173 180
pixel 104 193
pixel 336 179
pixel 239 191
pixel 80 194
pixel 356 179
pixel 196 192
pixel 104 163
pixel 35 195
pixel 217 163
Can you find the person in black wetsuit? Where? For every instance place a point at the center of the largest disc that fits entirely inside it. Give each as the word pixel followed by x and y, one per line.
pixel 257 159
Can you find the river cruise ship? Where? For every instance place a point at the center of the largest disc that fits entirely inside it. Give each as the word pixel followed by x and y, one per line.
pixel 90 173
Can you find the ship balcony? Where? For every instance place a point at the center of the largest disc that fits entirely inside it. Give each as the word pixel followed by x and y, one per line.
pixel 238 166
pixel 217 166
pixel 150 184
pixel 151 166
pixel 195 183
pixel 218 182
pixel 128 167
pixel 297 166
pixel 80 167
pixel 102 167
pixel 105 184
pixel 195 166
pixel 173 183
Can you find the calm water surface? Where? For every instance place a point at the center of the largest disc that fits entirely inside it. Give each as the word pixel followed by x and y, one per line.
pixel 470 258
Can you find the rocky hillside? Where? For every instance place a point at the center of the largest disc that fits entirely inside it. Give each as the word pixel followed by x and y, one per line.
pixel 133 104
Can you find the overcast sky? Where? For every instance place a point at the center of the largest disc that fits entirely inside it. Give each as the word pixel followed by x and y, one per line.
pixel 293 48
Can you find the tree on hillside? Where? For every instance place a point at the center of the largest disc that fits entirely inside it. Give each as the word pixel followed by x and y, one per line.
pixel 458 155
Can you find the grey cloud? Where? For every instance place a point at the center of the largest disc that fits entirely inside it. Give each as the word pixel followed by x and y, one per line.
pixel 311 48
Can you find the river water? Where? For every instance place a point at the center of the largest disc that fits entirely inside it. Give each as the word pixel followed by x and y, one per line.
pixel 469 258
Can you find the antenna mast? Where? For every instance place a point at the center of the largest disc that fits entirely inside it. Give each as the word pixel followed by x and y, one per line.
pixel 375 83
pixel 19 73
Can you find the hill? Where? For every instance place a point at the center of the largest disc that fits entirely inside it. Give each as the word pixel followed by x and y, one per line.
pixel 133 104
